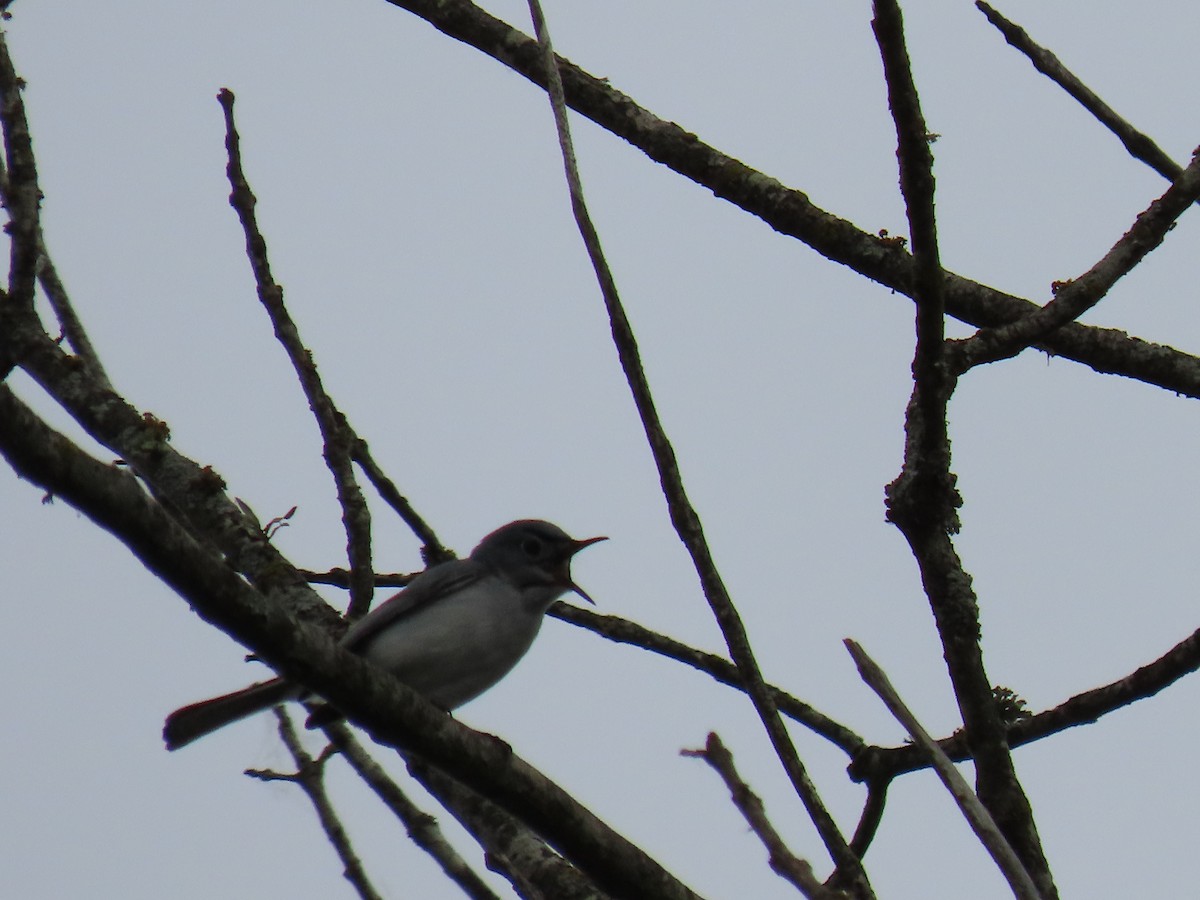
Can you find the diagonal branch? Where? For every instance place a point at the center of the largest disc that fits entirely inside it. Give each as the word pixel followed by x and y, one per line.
pixel 421 826
pixel 783 862
pixel 310 778
pixel 974 811
pixel 432 550
pixel 64 311
pixel 512 849
pixel 194 493
pixel 624 631
pixel 1139 145
pixel 56 295
pixel 683 515
pixel 1082 709
pixel 789 211
pixel 871 815
pixel 1078 296
pixel 335 436
pixel 391 712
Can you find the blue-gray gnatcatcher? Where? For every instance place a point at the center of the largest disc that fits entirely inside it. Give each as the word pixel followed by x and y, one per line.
pixel 451 634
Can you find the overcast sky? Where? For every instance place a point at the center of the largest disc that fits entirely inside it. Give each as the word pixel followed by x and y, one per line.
pixel 412 196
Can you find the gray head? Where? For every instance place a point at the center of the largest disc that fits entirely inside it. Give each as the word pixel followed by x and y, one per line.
pixel 534 554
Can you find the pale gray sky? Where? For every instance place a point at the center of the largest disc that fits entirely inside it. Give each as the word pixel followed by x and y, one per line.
pixel 412 196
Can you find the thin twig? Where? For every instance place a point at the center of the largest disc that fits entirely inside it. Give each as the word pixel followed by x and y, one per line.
pixel 432 549
pixel 356 515
pixel 64 311
pixel 310 778
pixel 975 812
pixel 1076 297
pixel 341 444
pixel 1139 145
pixel 1082 709
pixel 871 816
pixel 56 294
pixel 683 514
pixel 623 631
pixel 782 861
pixel 422 827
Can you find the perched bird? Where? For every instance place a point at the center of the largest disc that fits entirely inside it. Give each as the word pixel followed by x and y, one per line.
pixel 451 634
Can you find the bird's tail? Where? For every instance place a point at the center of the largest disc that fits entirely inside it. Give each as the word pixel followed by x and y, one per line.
pixel 192 722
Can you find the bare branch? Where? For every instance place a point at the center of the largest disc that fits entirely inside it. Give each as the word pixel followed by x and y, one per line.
pixel 1082 709
pixel 391 712
pixel 310 778
pixel 624 631
pixel 513 849
pixel 195 493
pixel 974 811
pixel 871 816
pixel 47 276
pixel 421 826
pixel 916 179
pixel 64 311
pixel 22 196
pixel 789 211
pixel 432 549
pixel 1078 296
pixel 683 515
pixel 782 861
pixel 923 500
pixel 341 444
pixel 926 473
pixel 932 389
pixel 56 295
pixel 1139 145
pixel 191 535
pixel 335 434
pixel 114 499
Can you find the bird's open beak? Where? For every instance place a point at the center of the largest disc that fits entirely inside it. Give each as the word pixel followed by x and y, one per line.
pixel 576 546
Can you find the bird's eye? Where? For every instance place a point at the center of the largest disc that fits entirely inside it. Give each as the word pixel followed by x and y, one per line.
pixel 532 547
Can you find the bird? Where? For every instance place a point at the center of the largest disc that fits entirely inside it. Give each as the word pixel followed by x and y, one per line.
pixel 452 633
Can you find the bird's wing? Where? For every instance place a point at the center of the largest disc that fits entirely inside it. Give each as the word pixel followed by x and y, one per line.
pixel 427 588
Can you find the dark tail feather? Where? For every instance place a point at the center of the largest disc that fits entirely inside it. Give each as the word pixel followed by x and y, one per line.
pixel 192 722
